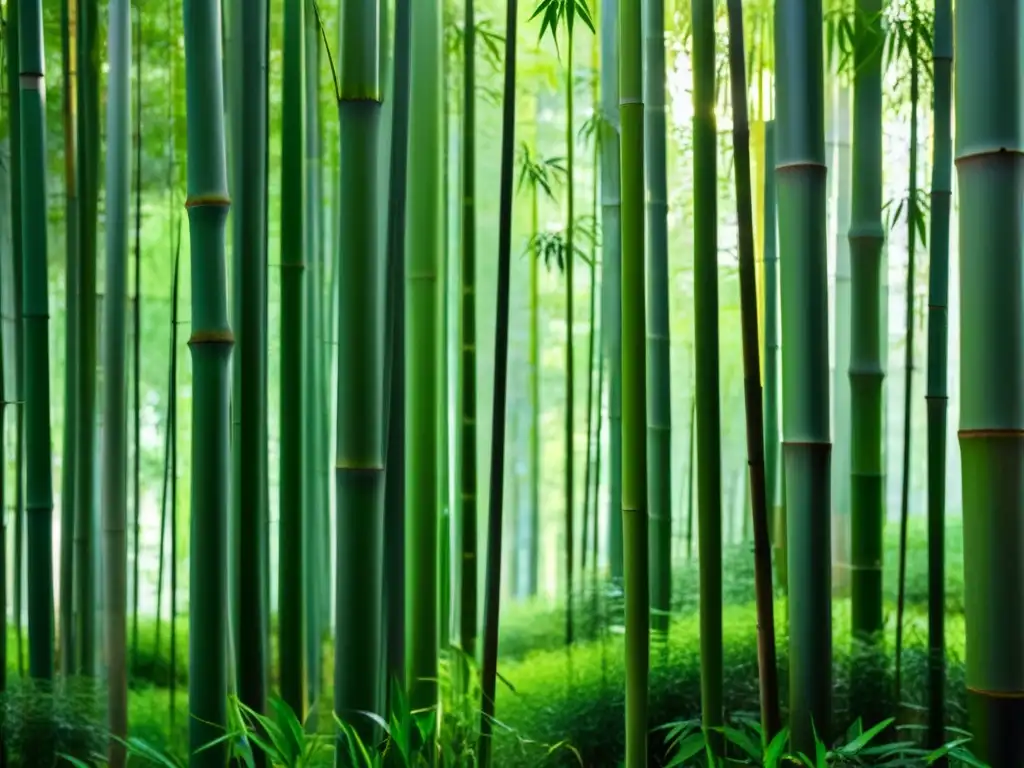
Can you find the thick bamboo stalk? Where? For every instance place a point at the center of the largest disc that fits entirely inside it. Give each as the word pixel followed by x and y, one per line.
pixel 294 292
pixel 989 145
pixel 39 481
pixel 115 396
pixel 801 176
pixel 709 447
pixel 659 383
pixel 14 96
pixel 425 347
pixel 210 344
pixel 636 566
pixel 937 396
pixel 359 465
pixel 867 237
pixel 249 133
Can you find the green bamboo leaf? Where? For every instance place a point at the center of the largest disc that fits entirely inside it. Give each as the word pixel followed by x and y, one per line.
pixel 776 748
pixel 865 738
pixel 743 741
pixel 687 749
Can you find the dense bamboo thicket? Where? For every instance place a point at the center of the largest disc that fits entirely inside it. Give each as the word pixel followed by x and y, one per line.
pixel 542 388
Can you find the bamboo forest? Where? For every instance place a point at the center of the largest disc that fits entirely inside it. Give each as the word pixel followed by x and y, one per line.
pixel 500 384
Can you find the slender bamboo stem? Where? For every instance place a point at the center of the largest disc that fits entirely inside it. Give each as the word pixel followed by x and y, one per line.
pixel 492 588
pixel 137 345
pixel 211 342
pixel 295 285
pixel 636 567
pixel 39 481
pixel 771 721
pixel 85 472
pixel 611 260
pixel 659 396
pixel 468 469
pixel 937 398
pixel 395 492
pixel 69 12
pixel 908 381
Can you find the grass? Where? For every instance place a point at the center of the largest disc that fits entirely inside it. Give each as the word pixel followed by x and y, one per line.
pixel 550 694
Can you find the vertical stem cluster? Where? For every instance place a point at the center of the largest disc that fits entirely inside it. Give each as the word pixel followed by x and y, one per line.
pixel 659 396
pixel 990 174
pixel 211 341
pixel 39 481
pixel 636 568
pixel 937 396
pixel 801 176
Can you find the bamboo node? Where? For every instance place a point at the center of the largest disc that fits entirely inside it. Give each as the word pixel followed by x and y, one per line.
pixel 31 81
pixel 995 694
pixel 1005 433
pixel 207 200
pixel 213 336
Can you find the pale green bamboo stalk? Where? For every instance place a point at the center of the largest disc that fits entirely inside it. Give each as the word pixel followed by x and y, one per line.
pixel 659 396
pixel 424 348
pixel 115 400
pixel 634 384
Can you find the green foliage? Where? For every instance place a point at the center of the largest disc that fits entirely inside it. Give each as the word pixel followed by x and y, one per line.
pixel 42 723
pixel 688 742
pixel 555 12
